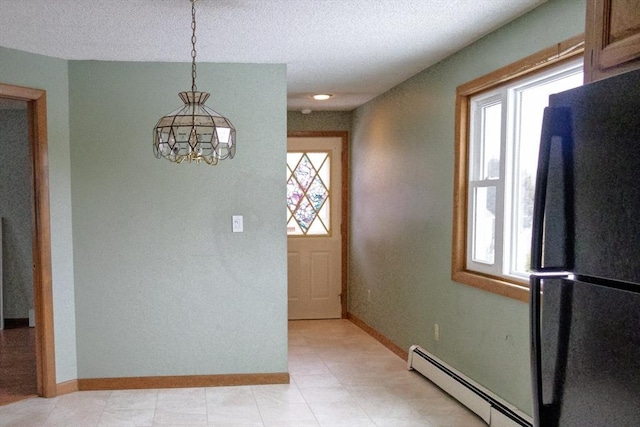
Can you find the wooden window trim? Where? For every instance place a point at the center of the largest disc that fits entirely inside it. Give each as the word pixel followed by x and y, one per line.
pixel 564 51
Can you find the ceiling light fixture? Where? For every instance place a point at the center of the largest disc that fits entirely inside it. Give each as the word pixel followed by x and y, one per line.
pixel 322 96
pixel 194 132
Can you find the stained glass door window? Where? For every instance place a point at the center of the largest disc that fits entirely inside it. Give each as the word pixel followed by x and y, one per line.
pixel 308 193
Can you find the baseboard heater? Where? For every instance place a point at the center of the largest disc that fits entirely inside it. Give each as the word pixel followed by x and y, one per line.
pixel 493 410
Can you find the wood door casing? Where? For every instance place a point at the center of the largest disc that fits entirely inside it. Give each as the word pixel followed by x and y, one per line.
pixel 42 277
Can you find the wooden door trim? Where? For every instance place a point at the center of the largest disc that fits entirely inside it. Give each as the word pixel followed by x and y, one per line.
pixel 42 282
pixel 344 229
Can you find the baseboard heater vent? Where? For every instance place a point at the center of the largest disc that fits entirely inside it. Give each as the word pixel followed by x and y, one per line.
pixel 493 410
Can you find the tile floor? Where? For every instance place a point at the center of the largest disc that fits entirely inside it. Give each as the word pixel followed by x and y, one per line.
pixel 340 376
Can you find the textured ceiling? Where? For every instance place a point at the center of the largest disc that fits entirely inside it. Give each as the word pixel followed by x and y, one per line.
pixel 355 49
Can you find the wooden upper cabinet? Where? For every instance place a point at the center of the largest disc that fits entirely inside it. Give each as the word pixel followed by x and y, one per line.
pixel 612 39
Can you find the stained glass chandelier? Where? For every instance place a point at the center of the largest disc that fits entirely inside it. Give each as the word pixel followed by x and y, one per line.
pixel 194 132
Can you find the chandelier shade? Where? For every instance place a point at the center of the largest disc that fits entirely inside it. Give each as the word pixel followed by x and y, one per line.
pixel 194 132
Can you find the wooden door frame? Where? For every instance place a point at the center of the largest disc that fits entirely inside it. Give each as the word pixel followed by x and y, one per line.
pixel 42 283
pixel 344 229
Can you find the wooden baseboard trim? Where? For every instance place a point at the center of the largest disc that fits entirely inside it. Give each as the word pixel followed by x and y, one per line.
pixel 67 387
pixel 182 381
pixel 403 354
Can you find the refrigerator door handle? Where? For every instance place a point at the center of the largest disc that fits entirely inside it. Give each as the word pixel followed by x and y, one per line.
pixel 545 413
pixel 556 123
pixel 536 355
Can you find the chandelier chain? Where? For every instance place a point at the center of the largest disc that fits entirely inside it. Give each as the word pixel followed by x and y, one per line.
pixel 193 44
pixel 194 133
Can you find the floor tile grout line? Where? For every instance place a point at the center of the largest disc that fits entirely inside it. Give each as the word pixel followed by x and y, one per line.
pixel 104 407
pixel 155 408
pixel 206 405
pixel 52 408
pixel 333 373
pixel 255 401
pixel 315 416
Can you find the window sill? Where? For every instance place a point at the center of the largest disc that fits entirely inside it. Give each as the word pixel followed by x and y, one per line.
pixel 500 286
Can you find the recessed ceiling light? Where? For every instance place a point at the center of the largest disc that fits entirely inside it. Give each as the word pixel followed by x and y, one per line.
pixel 322 96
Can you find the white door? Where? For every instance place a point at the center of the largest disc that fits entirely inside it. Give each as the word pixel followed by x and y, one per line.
pixel 314 240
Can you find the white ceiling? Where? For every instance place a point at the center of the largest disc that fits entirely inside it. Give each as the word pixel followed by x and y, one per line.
pixel 354 49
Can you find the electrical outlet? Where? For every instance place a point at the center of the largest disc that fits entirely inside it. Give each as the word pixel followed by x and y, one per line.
pixel 436 332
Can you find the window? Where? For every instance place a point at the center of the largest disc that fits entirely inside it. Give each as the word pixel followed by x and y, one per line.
pixel 498 119
pixel 308 193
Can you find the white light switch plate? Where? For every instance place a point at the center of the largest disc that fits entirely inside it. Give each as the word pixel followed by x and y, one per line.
pixel 236 223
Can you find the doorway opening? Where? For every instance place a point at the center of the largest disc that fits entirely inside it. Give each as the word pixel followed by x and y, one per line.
pixel 36 112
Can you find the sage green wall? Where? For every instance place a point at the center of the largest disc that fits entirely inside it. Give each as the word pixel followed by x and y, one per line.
pixel 319 121
pixel 16 205
pixel 401 214
pixel 163 287
pixel 51 74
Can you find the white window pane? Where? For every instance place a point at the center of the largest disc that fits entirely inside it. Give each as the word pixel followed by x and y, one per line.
pixel 521 257
pixel 293 228
pixel 491 141
pixel 531 102
pixel 292 161
pixel 484 230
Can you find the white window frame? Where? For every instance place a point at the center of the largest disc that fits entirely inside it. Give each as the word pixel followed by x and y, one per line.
pixel 506 186
pixel 478 104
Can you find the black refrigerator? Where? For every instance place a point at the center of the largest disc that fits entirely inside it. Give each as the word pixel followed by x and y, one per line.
pixel 585 289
